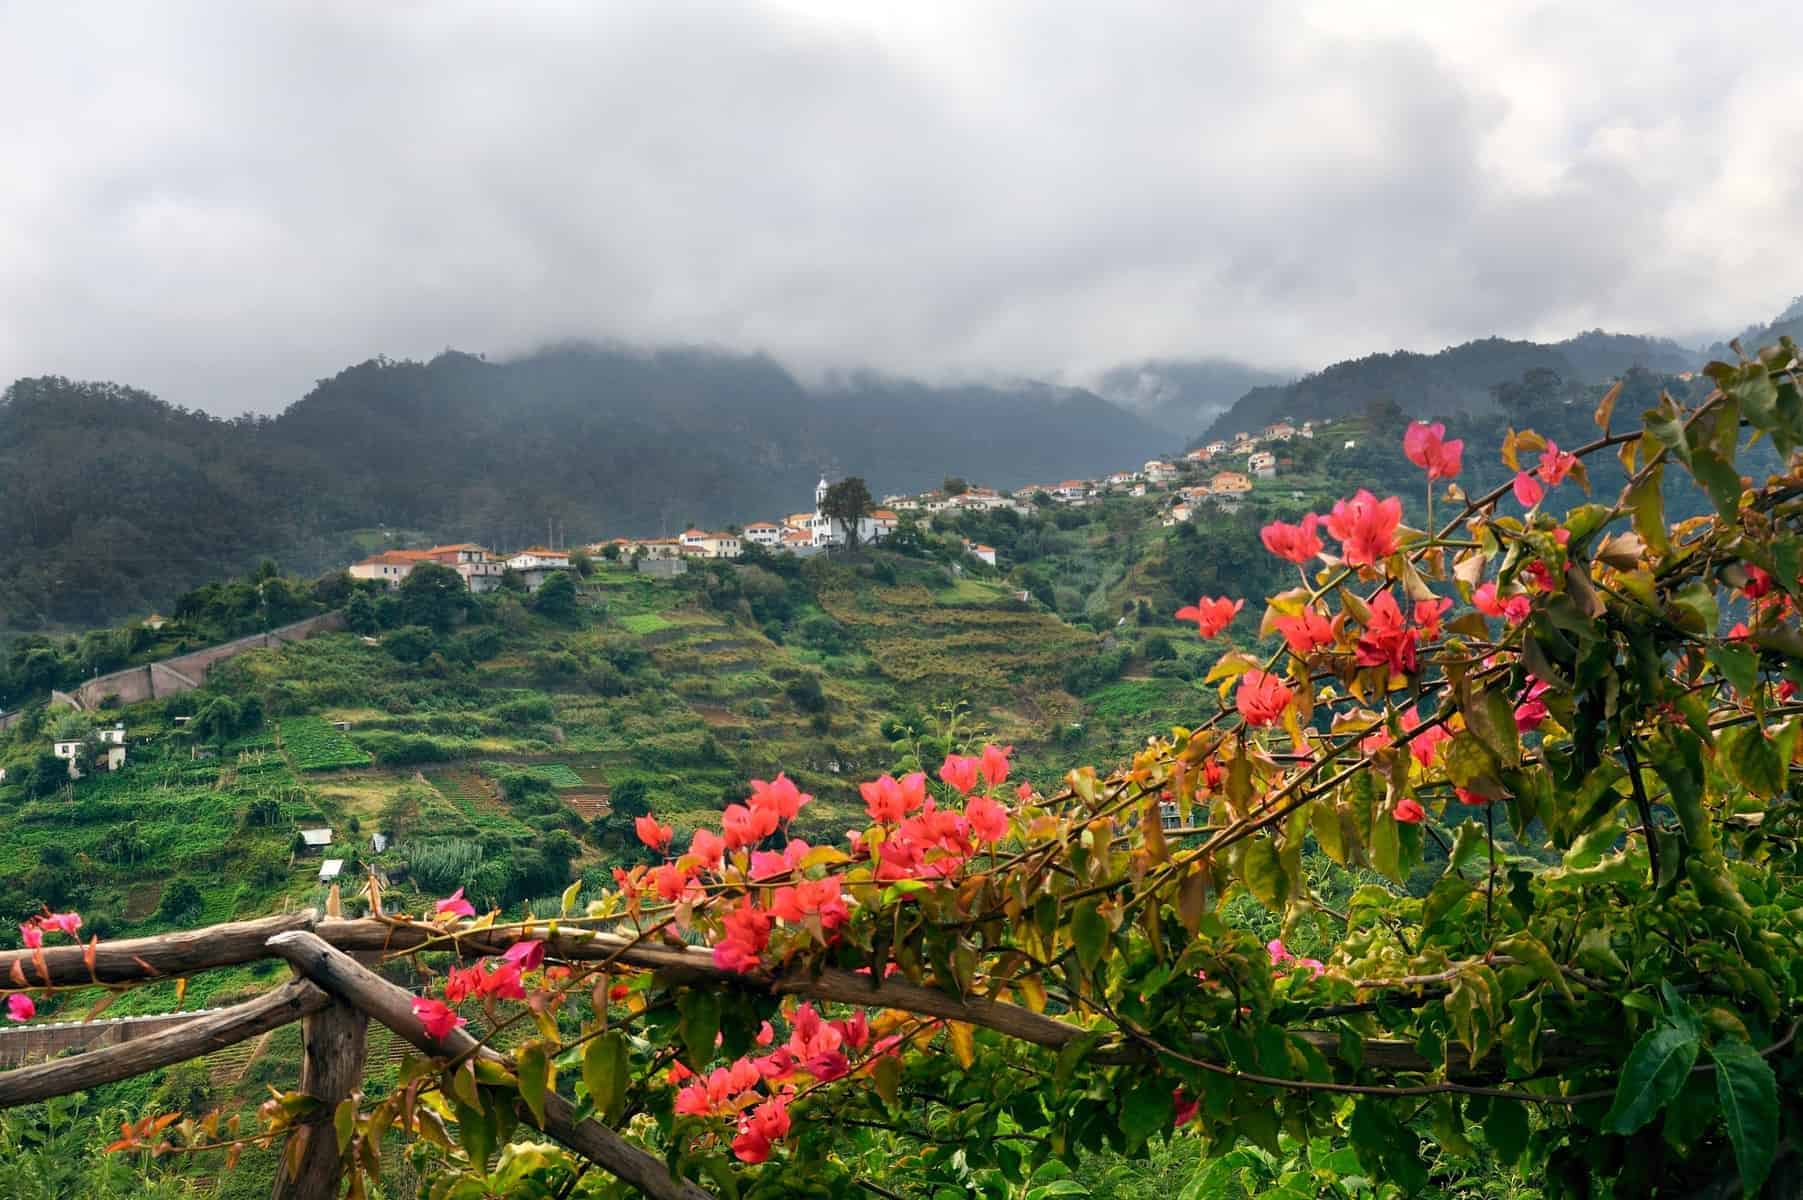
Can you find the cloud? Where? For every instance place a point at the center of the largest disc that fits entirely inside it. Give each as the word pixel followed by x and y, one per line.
pixel 224 202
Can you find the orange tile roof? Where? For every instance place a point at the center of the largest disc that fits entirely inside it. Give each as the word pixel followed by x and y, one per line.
pixel 884 514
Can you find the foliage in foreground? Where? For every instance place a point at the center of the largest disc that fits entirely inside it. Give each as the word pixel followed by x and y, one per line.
pixel 1611 1005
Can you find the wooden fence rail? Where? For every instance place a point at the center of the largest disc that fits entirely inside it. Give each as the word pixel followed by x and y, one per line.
pixel 335 996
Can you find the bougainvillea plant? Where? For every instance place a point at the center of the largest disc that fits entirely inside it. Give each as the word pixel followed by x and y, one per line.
pixel 1582 716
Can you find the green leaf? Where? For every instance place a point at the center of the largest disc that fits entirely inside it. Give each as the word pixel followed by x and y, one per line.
pixel 1491 717
pixel 535 1079
pixel 1647 504
pixel 1262 869
pixel 1749 1096
pixel 1147 1107
pixel 1752 758
pixel 1655 1070
pixel 698 1025
pixel 1466 760
pixel 476 1130
pixel 1531 952
pixel 1738 665
pixel 1721 481
pixel 1506 1129
pixel 1442 898
pixel 604 1073
pixel 1696 610
pixel 1089 932
pixel 344 1122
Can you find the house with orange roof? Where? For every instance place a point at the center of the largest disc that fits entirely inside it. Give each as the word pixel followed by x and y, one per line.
pixel 1229 481
pixel 763 533
pixel 985 553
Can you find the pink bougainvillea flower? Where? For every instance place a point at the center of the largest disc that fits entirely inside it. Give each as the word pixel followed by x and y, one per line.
pixel 652 833
pixel 1409 812
pixel 455 905
pixel 31 934
pixel 1426 744
pixel 960 772
pixel 759 1131
pixel 1532 709
pixel 1387 639
pixel 64 922
pixel 1427 447
pixel 1429 614
pixel 502 982
pixel 1366 527
pixel 822 898
pixel 745 826
pixel 527 955
pixel 1555 464
pixel 747 933
pixel 438 1017
pixel 1515 609
pixel 1305 632
pixel 994 764
pixel 1281 957
pixel 1528 490
pixel 462 983
pixel 1211 616
pixel 20 1007
pixel 988 820
pixel 707 848
pixel 1024 792
pixel 1293 543
pixel 888 799
pixel 779 796
pixel 1261 698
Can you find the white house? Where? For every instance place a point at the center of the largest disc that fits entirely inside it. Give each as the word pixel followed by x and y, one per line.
pixel 763 533
pixel 1159 471
pixel 1122 478
pixel 539 558
pixel 1262 465
pixel 1216 448
pixel 1279 431
pixel 720 545
pixel 986 553
pixel 316 839
pixel 330 869
pixel 1071 489
pixel 389 567
pixel 1176 515
pixel 1200 454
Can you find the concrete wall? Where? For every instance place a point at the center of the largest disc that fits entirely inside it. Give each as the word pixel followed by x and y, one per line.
pixel 34 1043
pixel 185 672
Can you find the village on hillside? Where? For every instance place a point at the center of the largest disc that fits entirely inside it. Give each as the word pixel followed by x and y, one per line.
pixel 1218 473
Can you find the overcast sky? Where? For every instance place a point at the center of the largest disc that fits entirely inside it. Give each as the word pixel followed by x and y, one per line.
pixel 224 202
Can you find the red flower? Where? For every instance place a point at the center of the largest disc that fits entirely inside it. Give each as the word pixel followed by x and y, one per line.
pixel 994 764
pixel 31 934
pixel 1261 698
pixel 707 848
pixel 1211 616
pixel 960 772
pixel 1305 632
pixel 1532 709
pixel 1515 609
pixel 1293 543
pixel 1409 812
pixel 1427 447
pixel 888 799
pixel 1366 527
pixel 438 1017
pixel 652 833
pixel 780 796
pixel 462 983
pixel 20 1007
pixel 1528 489
pixel 1759 582
pixel 988 820
pixel 1428 614
pixel 747 933
pixel 528 955
pixel 1184 1108
pixel 502 982
pixel 1387 640
pixel 1555 464
pixel 764 1127
pixel 1467 796
pixel 823 898
pixel 747 826
pixel 456 906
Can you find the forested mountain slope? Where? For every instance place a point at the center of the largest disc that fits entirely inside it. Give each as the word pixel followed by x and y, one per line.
pixel 1457 379
pixel 111 501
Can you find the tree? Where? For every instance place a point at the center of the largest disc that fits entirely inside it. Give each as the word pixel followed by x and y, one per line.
pixel 432 595
pixel 410 643
pixel 954 486
pixel 556 597
pixel 360 614
pixel 582 563
pixel 848 502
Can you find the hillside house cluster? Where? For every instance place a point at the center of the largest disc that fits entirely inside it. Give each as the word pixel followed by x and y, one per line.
pixel 479 569
pixel 104 749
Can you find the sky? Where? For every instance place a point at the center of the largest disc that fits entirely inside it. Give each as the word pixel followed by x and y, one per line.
pixel 224 202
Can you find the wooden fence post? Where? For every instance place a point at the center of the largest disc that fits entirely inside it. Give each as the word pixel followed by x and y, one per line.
pixel 331 1069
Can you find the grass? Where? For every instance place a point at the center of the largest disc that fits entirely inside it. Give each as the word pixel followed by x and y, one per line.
pixel 313 745
pixel 644 623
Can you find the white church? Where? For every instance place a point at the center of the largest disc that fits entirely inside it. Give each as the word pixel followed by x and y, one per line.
pixel 830 531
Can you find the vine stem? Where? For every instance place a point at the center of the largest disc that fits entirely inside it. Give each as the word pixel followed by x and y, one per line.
pixel 1643 805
